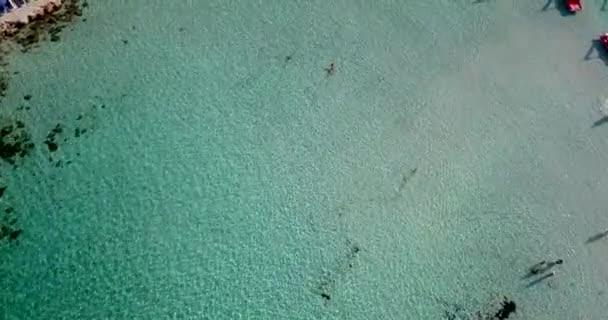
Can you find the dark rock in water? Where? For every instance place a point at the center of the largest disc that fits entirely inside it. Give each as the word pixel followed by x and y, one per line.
pixel 508 307
pixel 6 130
pixel 52 145
pixel 50 138
pixel 14 141
pixel 27 97
pixel 15 234
pixel 4 231
pixel 57 128
pixel 490 312
pixel 2 189
pixel 3 86
pixel 77 132
pixel 9 210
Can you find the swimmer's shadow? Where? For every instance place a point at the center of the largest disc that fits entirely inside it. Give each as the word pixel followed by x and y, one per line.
pixel 559 5
pixel 596 45
pixel 539 280
pixel 541 272
pixel 601 121
pixel 529 275
pixel 600 235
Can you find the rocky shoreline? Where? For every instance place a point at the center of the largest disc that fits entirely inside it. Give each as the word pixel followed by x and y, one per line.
pixel 23 29
pixel 11 22
pixel 38 20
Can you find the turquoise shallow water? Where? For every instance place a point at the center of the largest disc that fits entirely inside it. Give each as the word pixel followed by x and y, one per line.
pixel 219 179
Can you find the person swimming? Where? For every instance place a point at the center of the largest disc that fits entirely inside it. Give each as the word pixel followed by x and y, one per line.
pixel 331 69
pixel 537 267
pixel 542 267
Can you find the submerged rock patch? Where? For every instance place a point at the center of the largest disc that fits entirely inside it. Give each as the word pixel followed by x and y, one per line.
pixel 15 139
pixel 493 311
pixel 50 138
pixel 15 142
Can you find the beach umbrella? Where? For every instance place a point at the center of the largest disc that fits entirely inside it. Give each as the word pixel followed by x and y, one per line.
pixel 4 6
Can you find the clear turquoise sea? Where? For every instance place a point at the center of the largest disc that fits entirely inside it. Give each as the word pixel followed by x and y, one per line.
pixel 208 167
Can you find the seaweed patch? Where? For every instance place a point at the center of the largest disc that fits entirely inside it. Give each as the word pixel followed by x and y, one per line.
pixel 493 311
pixel 8 232
pixel 50 138
pixel 15 141
pixel 507 307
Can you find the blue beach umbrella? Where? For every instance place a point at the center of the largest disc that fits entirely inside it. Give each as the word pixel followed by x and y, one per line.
pixel 14 4
pixel 4 5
